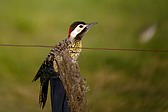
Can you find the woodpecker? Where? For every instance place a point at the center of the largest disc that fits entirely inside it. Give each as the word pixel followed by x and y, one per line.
pixel 73 44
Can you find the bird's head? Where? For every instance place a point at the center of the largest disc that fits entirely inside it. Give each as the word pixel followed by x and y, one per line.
pixel 78 29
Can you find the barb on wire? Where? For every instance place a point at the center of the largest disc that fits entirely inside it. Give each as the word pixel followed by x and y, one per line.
pixel 88 48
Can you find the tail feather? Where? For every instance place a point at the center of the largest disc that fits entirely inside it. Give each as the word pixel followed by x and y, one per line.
pixel 44 81
pixel 44 73
pixel 43 94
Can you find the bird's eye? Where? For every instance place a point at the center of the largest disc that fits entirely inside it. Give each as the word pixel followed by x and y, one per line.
pixel 80 26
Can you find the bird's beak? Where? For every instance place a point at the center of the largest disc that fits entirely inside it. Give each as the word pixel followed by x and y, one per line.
pixel 89 25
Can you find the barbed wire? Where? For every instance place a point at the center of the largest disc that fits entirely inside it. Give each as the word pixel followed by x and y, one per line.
pixel 89 48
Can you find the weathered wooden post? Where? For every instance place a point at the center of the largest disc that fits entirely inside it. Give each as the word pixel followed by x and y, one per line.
pixel 73 83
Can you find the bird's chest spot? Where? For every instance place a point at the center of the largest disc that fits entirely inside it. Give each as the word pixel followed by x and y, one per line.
pixel 75 50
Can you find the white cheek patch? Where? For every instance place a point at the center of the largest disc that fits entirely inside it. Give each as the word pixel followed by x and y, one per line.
pixel 76 31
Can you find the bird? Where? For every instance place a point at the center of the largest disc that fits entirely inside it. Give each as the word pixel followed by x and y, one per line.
pixel 49 72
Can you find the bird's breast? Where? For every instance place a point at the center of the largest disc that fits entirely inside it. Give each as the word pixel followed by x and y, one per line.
pixel 75 50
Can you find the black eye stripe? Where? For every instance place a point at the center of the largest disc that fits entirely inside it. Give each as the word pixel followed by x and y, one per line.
pixel 80 26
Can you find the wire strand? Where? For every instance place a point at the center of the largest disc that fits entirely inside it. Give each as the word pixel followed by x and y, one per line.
pixel 16 45
pixel 128 49
pixel 87 48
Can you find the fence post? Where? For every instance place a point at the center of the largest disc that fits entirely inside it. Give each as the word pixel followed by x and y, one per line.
pixel 74 85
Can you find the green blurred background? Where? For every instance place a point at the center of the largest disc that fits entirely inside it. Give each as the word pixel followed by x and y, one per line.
pixel 119 81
